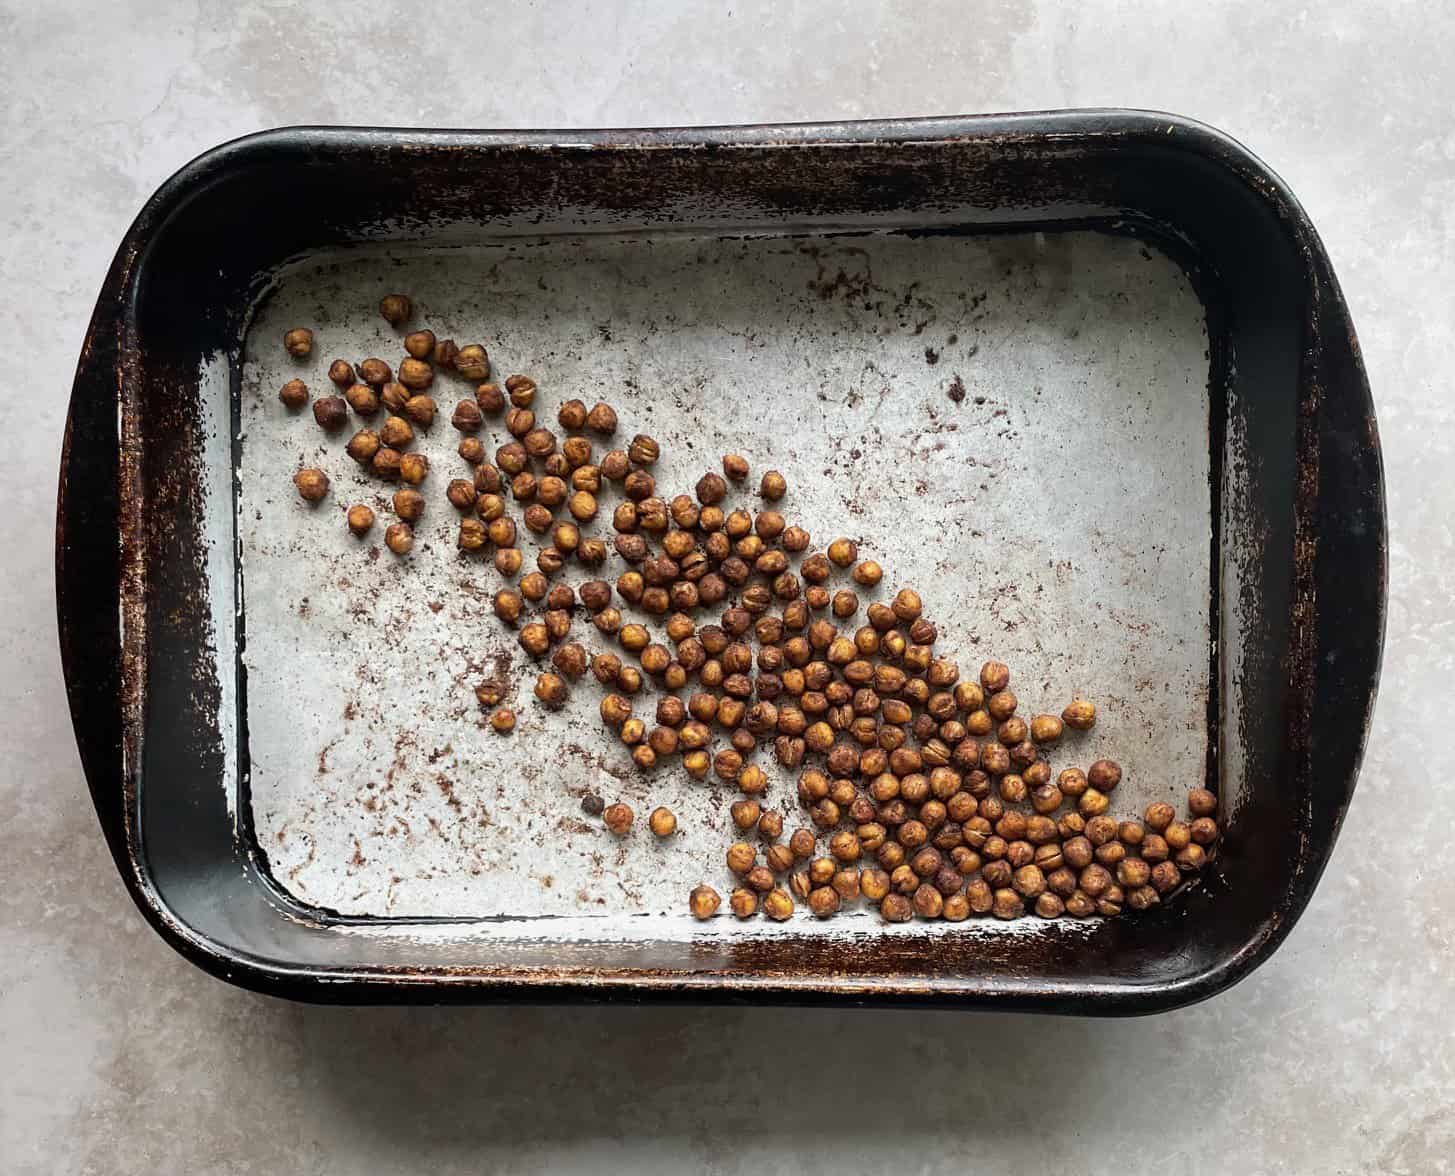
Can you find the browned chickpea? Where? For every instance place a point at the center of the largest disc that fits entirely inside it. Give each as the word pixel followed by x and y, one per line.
pixel 520 423
pixel 873 884
pixel 1142 897
pixel 415 374
pixel 1080 905
pixel 409 504
pixel 1165 876
pixel 1072 782
pixel 745 813
pixel 312 484
pixel 743 903
pixel 360 520
pixel 1049 906
pixel 994 677
pixel 1177 835
pixel 467 417
pixel 535 638
pixel 1012 731
pixel 978 896
pixel 601 419
pixel 1104 775
pixel 421 410
pixel 472 362
pixel 896 908
pixel 502 721
pixel 551 689
pixel 618 818
pixel 1201 802
pixel 362 399
pixel 396 308
pixel 778 905
pixel 375 372
pixel 843 552
pixel 773 486
pixel 582 506
pixel 1190 857
pixel 489 399
pixel 615 465
pixel 823 901
pixel 1133 872
pixel 928 902
pixel 571 415
pixel 331 413
pixel 704 902
pixel 907 605
pixel 1007 904
pixel 845 846
pixel 1046 729
pixel 386 463
pixel 394 397
pixel 298 342
pixel 1079 715
pixel 780 858
pixel 1159 815
pixel 867 573
pixel 419 344
pixel 293 394
pixel 753 780
pixel 1204 831
pixel 539 443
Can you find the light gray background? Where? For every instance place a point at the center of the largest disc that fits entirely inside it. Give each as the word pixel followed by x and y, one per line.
pixel 116 1057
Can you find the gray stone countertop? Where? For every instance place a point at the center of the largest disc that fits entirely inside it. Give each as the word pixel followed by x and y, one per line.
pixel 1335 1057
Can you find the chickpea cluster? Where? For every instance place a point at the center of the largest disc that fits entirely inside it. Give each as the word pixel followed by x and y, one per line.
pixel 729 641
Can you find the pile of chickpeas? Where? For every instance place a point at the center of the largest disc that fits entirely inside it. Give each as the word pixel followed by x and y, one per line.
pixel 932 795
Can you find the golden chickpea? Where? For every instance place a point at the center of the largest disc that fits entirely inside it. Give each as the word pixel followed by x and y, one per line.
pixel 618 818
pixel 312 484
pixel 824 901
pixel 399 538
pixel 1079 715
pixel 778 905
pixel 703 902
pixel 743 902
pixel 1159 815
pixel 360 519
pixel 1046 729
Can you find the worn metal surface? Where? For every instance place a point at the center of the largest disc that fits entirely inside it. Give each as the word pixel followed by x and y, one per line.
pixel 1016 425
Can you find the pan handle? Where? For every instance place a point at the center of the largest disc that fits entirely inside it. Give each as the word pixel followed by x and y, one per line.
pixel 88 560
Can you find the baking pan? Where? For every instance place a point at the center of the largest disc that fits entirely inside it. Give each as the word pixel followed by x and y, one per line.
pixel 1085 377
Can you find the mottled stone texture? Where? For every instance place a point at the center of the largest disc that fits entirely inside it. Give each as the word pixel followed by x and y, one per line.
pixel 119 1058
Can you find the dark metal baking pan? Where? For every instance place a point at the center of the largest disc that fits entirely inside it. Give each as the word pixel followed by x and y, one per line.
pixel 1207 553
